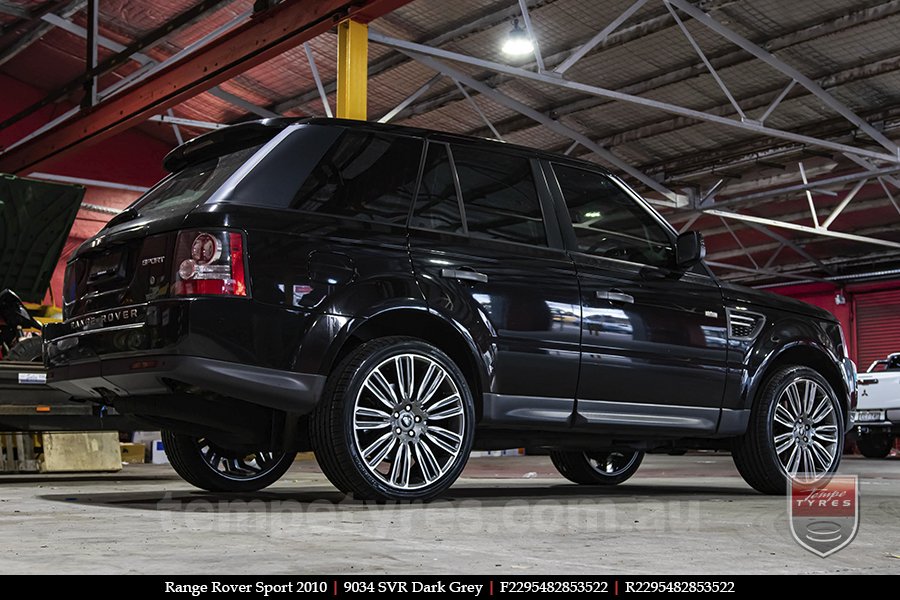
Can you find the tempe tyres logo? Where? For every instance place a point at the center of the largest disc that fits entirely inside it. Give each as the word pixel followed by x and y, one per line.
pixel 824 515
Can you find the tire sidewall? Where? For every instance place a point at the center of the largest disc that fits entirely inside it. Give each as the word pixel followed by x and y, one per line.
pixel 348 418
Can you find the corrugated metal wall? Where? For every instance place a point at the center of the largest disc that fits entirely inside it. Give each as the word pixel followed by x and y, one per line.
pixel 877 325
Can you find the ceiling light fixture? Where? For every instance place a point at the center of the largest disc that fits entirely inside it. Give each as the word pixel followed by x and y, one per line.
pixel 517 41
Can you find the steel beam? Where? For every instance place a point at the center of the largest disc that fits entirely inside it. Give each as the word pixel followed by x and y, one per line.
pixel 543 119
pixel 773 273
pixel 722 60
pixel 314 70
pixel 526 18
pixel 786 243
pixel 13 42
pixel 770 59
pixel 267 35
pixel 241 103
pixel 815 184
pixel 709 67
pixel 92 35
pixel 175 128
pixel 479 111
pixel 123 53
pixel 410 99
pixel 490 17
pixel 599 38
pixel 804 228
pixel 751 126
pixel 14 10
pixel 90 182
pixel 353 70
pixel 186 122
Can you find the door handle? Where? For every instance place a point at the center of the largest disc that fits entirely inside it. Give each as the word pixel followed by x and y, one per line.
pixel 615 296
pixel 867 381
pixel 464 275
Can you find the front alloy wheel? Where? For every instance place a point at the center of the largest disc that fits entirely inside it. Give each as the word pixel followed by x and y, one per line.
pixel 805 430
pixel 205 464
pixel 396 422
pixel 796 432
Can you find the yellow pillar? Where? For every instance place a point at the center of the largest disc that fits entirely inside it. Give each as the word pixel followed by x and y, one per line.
pixel 352 69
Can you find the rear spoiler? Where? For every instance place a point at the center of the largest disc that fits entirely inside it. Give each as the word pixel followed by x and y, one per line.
pixel 225 140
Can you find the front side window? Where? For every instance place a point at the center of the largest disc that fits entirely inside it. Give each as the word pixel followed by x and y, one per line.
pixel 368 176
pixel 499 196
pixel 608 222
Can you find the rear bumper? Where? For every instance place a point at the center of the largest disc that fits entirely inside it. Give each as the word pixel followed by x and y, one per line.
pixel 156 375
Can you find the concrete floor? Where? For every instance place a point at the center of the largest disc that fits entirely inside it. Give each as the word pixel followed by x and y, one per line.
pixel 514 515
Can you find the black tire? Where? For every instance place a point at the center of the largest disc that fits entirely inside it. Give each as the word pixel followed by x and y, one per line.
pixel 875 445
pixel 27 350
pixel 186 456
pixel 597 468
pixel 754 453
pixel 340 441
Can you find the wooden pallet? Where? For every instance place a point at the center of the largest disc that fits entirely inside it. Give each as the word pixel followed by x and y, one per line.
pixel 17 453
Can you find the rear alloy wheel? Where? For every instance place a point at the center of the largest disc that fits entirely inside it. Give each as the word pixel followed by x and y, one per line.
pixel 597 468
pixel 875 445
pixel 796 432
pixel 396 422
pixel 203 463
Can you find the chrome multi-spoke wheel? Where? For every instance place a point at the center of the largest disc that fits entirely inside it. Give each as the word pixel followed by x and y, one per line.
pixel 396 422
pixel 795 431
pixel 805 430
pixel 210 466
pixel 409 421
pixel 608 467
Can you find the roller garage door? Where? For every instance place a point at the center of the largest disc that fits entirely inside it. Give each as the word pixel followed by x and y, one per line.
pixel 877 326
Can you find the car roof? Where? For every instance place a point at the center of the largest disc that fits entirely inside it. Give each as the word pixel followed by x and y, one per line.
pixel 488 144
pixel 191 149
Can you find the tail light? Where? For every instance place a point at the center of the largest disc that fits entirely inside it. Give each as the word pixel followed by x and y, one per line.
pixel 209 263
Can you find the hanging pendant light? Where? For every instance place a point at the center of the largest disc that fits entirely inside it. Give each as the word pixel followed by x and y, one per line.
pixel 517 41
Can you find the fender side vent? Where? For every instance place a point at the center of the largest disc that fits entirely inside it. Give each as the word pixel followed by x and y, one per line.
pixel 744 325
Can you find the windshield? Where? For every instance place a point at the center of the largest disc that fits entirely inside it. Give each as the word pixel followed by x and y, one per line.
pixel 192 186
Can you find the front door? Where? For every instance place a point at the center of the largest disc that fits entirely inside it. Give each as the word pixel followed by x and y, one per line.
pixel 654 338
pixel 487 258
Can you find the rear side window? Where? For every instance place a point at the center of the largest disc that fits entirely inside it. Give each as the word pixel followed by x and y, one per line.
pixel 608 222
pixel 192 186
pixel 499 196
pixel 437 204
pixel 365 176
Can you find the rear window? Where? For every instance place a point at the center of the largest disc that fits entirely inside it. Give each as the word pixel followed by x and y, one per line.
pixel 192 186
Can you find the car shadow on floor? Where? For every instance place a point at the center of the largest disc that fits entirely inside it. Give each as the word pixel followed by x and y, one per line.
pixel 289 499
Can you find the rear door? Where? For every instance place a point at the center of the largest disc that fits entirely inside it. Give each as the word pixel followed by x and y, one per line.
pixel 487 252
pixel 653 338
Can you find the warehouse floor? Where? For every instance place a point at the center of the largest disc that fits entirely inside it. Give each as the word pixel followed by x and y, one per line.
pixel 678 515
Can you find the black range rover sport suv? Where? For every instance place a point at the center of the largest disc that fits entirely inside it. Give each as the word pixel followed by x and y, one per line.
pixel 393 298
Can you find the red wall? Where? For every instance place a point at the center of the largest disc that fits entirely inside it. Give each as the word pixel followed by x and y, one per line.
pixel 131 157
pixel 823 295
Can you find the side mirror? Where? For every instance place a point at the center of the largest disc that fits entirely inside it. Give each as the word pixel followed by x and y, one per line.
pixel 689 249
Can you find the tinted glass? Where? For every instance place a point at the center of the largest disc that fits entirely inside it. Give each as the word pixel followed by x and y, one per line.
pixel 437 205
pixel 499 196
pixel 608 222
pixel 365 176
pixel 192 186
